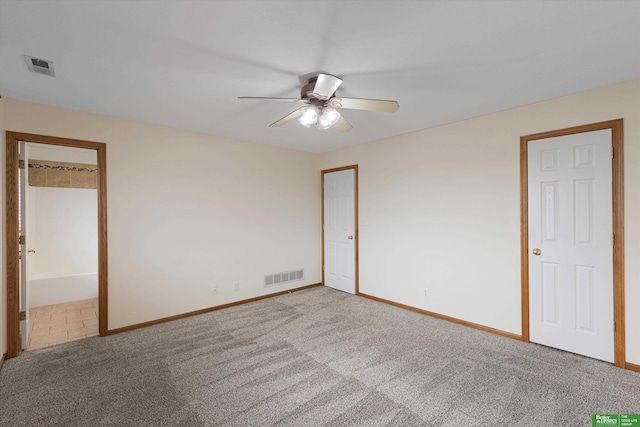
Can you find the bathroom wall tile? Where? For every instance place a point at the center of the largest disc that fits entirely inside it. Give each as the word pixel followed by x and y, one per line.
pixel 37 177
pixel 46 173
pixel 58 178
pixel 83 179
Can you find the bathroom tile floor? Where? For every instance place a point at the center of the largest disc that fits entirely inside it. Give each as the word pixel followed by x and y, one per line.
pixel 60 323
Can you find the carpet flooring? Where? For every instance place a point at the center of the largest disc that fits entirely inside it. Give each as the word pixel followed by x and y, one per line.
pixel 314 357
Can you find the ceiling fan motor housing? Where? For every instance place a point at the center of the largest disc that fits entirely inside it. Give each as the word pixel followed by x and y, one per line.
pixel 310 94
pixel 307 90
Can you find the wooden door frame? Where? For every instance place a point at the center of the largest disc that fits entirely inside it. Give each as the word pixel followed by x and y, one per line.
pixel 357 236
pixel 617 137
pixel 13 265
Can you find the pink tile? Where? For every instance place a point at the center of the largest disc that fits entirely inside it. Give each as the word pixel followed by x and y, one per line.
pixel 63 327
pixel 35 343
pixel 90 322
pixel 81 317
pixel 59 316
pixel 42 332
pixel 83 332
pixel 57 337
pixel 41 325
pixel 60 323
pixel 89 310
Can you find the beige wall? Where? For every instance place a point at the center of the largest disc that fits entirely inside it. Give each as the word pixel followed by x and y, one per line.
pixel 187 211
pixel 440 209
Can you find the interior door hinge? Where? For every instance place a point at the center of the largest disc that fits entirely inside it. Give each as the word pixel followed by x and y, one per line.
pixel 20 164
pixel 612 152
pixel 22 240
pixel 614 326
pixel 613 239
pixel 23 315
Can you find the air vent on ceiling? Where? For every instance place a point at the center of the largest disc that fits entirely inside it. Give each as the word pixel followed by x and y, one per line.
pixel 40 66
pixel 280 278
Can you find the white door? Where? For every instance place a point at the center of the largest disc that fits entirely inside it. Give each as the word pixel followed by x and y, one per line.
pixel 340 230
pixel 24 276
pixel 570 243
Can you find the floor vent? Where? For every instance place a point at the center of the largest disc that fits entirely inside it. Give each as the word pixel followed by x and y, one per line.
pixel 40 66
pixel 280 278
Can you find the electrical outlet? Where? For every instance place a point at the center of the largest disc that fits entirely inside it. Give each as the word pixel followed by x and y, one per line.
pixel 236 286
pixel 214 289
pixel 425 293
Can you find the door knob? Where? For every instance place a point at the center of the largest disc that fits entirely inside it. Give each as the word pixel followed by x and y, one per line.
pixel 350 237
pixel 31 251
pixel 537 252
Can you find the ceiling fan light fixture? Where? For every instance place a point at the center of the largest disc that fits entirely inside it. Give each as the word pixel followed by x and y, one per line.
pixel 322 104
pixel 328 117
pixel 309 116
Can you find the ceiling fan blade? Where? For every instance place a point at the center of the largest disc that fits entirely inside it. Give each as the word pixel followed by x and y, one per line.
pixel 288 118
pixel 365 104
pixel 326 86
pixel 270 99
pixel 342 125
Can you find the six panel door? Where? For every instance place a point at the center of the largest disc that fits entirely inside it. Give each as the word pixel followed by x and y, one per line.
pixel 339 230
pixel 570 243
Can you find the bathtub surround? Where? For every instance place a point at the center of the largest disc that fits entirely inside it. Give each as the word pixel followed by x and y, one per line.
pixel 63 228
pixel 313 357
pixel 63 223
pixel 57 290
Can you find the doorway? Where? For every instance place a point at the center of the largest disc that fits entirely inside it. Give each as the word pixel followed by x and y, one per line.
pixel 59 271
pixel 19 243
pixel 340 228
pixel 572 240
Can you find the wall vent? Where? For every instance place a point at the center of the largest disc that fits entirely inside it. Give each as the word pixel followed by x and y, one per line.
pixel 40 66
pixel 280 278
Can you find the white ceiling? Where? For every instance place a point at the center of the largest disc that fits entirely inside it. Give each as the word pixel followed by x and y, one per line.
pixel 183 63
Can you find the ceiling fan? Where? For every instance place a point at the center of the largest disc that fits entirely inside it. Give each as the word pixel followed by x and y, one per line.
pixel 322 104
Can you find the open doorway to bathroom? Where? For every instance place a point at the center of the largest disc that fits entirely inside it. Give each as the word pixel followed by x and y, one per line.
pixel 55 271
pixel 62 243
